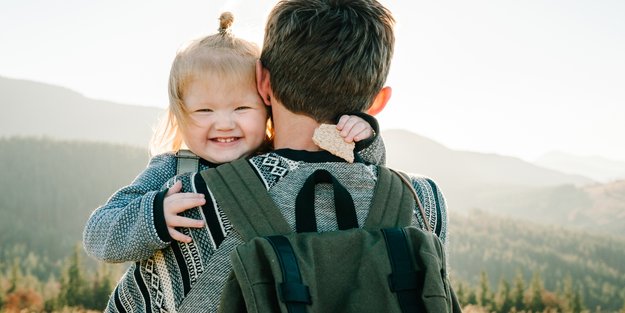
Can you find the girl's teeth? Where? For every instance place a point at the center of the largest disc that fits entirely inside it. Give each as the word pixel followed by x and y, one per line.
pixel 225 140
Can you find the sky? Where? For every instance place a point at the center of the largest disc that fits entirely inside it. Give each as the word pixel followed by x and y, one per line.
pixel 516 78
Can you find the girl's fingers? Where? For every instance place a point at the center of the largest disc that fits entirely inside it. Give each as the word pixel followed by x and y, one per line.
pixel 366 133
pixel 185 195
pixel 176 202
pixel 175 188
pixel 181 221
pixel 342 122
pixel 355 130
pixel 178 236
pixel 347 128
pixel 182 202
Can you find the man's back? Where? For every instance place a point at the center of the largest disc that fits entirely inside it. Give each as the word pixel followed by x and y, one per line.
pixel 290 168
pixel 283 173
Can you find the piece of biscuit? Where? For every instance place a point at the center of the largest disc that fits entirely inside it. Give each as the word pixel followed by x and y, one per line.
pixel 327 137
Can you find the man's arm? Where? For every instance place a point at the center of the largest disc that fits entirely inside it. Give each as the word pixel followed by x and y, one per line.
pixel 434 205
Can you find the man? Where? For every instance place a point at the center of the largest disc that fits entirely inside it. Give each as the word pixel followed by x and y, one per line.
pixel 320 59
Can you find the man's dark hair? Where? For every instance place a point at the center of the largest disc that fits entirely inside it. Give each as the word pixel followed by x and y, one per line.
pixel 328 57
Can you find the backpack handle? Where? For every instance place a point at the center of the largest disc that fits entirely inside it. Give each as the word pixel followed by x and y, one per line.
pixel 305 219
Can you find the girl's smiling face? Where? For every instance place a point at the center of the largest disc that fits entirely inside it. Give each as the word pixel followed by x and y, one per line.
pixel 227 120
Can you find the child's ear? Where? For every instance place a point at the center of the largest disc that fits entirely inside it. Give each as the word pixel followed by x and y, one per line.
pixel 263 83
pixel 380 101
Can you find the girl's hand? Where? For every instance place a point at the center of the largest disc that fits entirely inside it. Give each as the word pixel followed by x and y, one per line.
pixel 176 202
pixel 354 128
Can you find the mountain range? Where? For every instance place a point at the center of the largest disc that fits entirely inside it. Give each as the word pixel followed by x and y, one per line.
pixel 510 186
pixel 496 183
pixel 33 109
pixel 598 168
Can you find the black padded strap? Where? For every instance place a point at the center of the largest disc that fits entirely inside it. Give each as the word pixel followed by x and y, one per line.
pixel 404 279
pixel 243 197
pixel 305 220
pixel 293 292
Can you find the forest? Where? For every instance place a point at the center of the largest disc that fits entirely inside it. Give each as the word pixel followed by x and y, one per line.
pixel 497 263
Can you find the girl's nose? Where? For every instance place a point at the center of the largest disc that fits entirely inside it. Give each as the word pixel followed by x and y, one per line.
pixel 224 122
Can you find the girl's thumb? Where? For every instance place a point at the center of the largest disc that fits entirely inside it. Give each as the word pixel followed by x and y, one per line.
pixel 175 188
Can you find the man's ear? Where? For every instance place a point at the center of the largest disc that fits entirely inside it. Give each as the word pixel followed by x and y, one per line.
pixel 380 101
pixel 263 83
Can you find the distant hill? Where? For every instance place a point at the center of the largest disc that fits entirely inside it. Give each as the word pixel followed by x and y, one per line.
pixel 37 109
pixel 49 188
pixel 608 204
pixel 418 154
pixel 510 186
pixel 598 208
pixel 598 168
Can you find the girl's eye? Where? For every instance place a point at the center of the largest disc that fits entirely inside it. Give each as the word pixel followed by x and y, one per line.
pixel 204 110
pixel 242 108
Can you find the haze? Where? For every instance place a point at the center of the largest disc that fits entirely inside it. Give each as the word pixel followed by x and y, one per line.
pixel 506 77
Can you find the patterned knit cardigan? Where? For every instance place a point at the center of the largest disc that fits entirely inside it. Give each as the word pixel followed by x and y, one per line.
pixel 130 227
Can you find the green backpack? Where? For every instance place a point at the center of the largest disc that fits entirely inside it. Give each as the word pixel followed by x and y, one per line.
pixel 385 266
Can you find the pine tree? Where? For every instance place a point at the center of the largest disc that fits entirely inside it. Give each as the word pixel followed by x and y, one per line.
pixel 536 300
pixel 577 304
pixel 471 297
pixel 16 274
pixel 72 284
pixel 518 294
pixel 569 293
pixel 460 294
pixel 486 298
pixel 503 300
pixel 102 287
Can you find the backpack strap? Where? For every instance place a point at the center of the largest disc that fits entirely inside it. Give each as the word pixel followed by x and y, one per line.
pixel 292 290
pixel 187 162
pixel 393 201
pixel 404 280
pixel 244 199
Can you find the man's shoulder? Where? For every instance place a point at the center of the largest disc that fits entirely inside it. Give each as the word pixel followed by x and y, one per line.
pixel 273 167
pixel 425 182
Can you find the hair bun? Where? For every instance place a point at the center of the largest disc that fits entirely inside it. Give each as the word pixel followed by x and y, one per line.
pixel 225 21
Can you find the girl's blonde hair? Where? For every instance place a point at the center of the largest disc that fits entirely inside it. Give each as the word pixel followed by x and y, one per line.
pixel 219 56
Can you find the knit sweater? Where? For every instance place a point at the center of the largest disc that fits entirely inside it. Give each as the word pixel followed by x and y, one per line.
pixel 130 227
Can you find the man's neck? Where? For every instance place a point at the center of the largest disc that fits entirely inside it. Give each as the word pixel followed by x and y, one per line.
pixel 293 131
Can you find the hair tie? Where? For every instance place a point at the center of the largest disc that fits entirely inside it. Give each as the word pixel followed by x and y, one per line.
pixel 225 21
